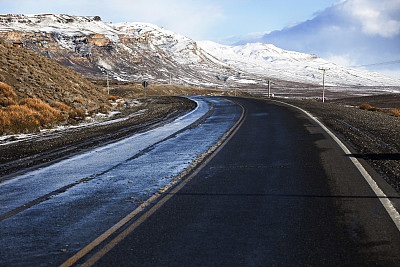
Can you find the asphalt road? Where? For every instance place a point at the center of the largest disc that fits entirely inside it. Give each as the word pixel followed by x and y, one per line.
pixel 50 212
pixel 279 193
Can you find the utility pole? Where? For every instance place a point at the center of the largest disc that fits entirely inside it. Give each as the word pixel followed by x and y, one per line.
pixel 323 83
pixel 269 88
pixel 108 85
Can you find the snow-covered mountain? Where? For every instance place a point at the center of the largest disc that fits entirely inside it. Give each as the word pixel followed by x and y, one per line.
pixel 126 51
pixel 269 60
pixel 135 51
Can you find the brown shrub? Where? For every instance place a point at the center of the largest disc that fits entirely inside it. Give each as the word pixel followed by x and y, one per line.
pixel 17 119
pixel 113 98
pixel 365 106
pixel 76 114
pixel 78 100
pixel 395 112
pixel 4 101
pixel 61 106
pixel 7 91
pixel 369 107
pixel 48 114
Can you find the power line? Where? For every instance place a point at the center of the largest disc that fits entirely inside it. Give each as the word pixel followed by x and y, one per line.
pixel 377 64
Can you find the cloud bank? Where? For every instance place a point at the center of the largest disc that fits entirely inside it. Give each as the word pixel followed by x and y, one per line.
pixel 351 33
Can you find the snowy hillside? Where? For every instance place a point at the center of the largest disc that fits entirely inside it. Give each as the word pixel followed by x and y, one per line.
pixel 269 60
pixel 53 23
pixel 134 51
pixel 126 51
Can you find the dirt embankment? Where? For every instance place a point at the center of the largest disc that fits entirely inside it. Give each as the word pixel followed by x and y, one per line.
pixel 374 135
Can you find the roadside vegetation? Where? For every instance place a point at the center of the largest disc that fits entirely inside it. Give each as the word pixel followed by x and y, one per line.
pixel 394 112
pixel 32 114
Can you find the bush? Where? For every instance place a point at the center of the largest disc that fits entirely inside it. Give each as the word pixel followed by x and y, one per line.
pixel 48 114
pixel 78 100
pixel 76 114
pixel 18 119
pixel 7 91
pixel 61 106
pixel 395 112
pixel 113 98
pixel 4 101
pixel 369 107
pixel 27 116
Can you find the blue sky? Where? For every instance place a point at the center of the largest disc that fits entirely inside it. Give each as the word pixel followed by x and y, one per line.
pixel 198 19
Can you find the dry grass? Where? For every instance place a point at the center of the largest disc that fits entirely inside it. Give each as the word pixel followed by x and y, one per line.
pixel 17 119
pixel 76 114
pixel 113 98
pixel 48 114
pixel 395 112
pixel 369 107
pixel 4 101
pixel 6 91
pixel 61 106
pixel 28 114
pixel 78 100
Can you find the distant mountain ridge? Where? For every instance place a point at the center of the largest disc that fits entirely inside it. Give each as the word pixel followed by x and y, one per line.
pixel 259 58
pixel 136 51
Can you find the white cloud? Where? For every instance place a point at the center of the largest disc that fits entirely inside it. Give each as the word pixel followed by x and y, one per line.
pixel 376 17
pixel 350 33
pixel 343 60
pixel 193 18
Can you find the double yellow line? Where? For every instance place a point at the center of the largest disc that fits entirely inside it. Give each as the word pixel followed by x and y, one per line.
pixel 193 170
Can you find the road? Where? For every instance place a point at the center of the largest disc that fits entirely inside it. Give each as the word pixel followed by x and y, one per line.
pixel 277 192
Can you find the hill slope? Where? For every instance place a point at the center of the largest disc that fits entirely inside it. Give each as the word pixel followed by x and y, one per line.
pixel 36 92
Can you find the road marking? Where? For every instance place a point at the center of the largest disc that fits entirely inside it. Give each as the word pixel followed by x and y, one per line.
pixel 202 160
pixel 383 198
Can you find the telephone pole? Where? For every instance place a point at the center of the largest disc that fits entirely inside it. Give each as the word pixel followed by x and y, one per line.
pixel 108 84
pixel 323 83
pixel 269 88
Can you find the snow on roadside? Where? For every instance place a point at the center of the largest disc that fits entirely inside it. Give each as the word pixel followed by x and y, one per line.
pixel 98 119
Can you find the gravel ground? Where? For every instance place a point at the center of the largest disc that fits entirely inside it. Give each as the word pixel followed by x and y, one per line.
pixel 49 147
pixel 375 136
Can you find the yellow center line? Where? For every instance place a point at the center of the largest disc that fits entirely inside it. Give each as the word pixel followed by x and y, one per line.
pixel 211 153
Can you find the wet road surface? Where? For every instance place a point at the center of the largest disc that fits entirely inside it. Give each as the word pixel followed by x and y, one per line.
pixel 279 193
pixel 49 214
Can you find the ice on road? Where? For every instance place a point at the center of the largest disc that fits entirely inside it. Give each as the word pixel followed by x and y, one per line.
pixel 120 176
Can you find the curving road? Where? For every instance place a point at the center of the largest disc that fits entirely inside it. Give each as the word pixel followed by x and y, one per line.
pixel 262 184
pixel 279 193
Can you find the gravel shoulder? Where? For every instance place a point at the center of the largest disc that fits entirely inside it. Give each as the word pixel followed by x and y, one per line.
pixel 51 146
pixel 375 136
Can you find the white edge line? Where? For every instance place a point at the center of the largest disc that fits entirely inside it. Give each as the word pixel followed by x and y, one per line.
pixel 387 204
